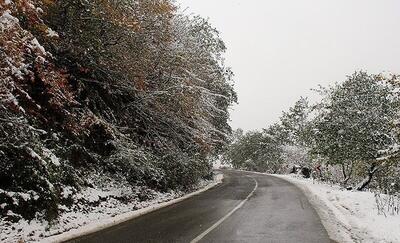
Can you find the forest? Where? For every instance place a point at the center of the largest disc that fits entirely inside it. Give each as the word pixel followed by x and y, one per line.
pixel 131 93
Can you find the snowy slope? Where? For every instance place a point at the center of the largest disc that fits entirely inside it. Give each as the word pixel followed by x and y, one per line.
pixel 80 221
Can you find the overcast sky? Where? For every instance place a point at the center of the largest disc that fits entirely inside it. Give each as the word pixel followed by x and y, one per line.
pixel 280 49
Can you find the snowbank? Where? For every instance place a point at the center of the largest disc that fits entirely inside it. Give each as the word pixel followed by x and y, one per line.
pixel 349 216
pixel 73 224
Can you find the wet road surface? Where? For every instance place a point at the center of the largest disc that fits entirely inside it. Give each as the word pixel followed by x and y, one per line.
pixel 246 207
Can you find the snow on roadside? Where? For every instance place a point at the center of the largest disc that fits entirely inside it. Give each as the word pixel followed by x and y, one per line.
pixel 80 219
pixel 349 216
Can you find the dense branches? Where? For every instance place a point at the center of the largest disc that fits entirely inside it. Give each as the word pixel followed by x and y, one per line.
pixel 128 88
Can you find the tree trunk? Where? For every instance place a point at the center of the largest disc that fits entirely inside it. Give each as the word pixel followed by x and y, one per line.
pixel 344 172
pixel 346 176
pixel 364 183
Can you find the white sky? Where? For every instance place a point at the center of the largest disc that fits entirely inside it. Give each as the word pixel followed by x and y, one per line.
pixel 280 49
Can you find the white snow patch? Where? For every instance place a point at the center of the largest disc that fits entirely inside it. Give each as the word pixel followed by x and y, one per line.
pixel 34 155
pixel 7 20
pixel 51 33
pixel 54 159
pixel 36 45
pixel 24 196
pixel 67 191
pixel 349 216
pixel 16 196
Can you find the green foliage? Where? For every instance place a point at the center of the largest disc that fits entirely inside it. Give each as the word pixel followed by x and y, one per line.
pixel 256 151
pixel 356 120
pixel 295 124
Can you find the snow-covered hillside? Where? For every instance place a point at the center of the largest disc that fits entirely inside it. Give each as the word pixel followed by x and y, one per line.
pixel 105 106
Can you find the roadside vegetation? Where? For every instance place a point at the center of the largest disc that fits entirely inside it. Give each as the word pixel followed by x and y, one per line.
pixel 99 94
pixel 350 137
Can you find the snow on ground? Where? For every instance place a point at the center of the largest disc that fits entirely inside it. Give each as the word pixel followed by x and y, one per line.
pixel 349 216
pixel 219 164
pixel 106 210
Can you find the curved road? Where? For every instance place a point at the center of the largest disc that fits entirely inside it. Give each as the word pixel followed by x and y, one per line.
pixel 246 207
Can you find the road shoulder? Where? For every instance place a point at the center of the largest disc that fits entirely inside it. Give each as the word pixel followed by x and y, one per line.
pixel 335 223
pixel 109 222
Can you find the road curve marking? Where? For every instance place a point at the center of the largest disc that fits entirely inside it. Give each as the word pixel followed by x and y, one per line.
pixel 207 231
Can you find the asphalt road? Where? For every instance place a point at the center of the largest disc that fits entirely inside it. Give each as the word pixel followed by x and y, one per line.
pixel 246 207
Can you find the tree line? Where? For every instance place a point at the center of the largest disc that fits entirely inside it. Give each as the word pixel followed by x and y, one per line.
pixel 351 136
